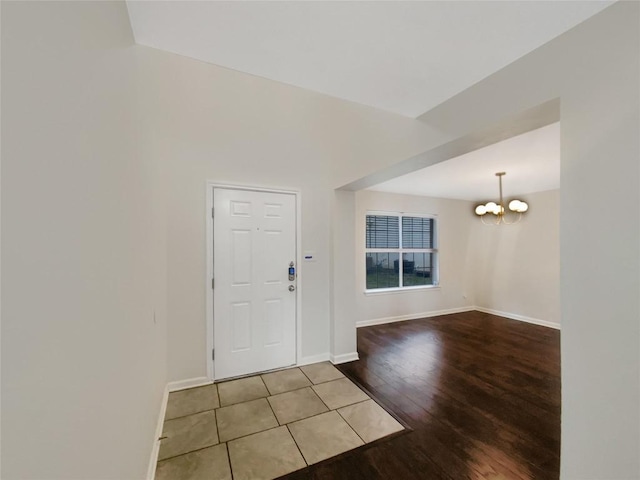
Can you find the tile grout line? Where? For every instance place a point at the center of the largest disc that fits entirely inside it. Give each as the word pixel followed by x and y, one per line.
pixel 357 403
pixel 254 433
pixel 283 425
pixel 190 451
pixel 316 394
pixel 303 418
pixel 326 381
pixel 189 414
pixel 229 459
pixel 189 389
pixel 203 447
pixel 328 411
pixel 306 375
pixel 350 427
pixel 297 446
pixel 220 443
pixel 216 415
pixel 273 394
pixel 342 406
pixel 289 391
pixel 310 416
pixel 274 412
pixel 265 385
pixel 267 397
pixel 240 379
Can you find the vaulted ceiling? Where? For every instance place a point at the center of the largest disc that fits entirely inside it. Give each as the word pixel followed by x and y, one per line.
pixel 400 56
pixel 404 57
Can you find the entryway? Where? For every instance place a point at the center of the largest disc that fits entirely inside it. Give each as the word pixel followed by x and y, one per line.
pixel 254 280
pixel 266 426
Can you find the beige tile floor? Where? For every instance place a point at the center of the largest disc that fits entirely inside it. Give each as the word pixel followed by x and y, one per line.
pixel 266 426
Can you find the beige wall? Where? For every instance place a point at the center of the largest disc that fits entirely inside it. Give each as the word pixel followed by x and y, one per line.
pixel 517 267
pixel 215 124
pixel 83 248
pixel 513 269
pixel 456 289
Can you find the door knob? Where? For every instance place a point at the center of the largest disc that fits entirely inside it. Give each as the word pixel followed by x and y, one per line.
pixel 291 288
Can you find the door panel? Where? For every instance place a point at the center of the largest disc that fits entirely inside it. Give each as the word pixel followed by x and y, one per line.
pixel 254 311
pixel 241 265
pixel 273 314
pixel 241 321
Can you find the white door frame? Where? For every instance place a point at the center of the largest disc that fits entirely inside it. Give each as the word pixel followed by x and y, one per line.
pixel 210 185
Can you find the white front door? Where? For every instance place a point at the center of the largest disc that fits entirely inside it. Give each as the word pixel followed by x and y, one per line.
pixel 254 300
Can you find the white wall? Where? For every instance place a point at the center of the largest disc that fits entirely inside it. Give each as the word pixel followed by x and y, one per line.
pixel 454 224
pixel 83 248
pixel 517 267
pixel 215 124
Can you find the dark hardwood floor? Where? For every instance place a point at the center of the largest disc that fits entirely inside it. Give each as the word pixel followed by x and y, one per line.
pixel 481 394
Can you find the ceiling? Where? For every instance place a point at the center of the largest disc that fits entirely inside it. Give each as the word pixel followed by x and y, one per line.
pixel 531 161
pixel 404 57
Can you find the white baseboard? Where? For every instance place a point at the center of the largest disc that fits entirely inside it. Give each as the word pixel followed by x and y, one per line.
pixel 412 316
pixel 344 358
pixel 520 318
pixel 322 357
pixel 151 469
pixel 171 387
pixel 188 383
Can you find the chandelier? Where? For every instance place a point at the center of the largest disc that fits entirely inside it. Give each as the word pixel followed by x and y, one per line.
pixel 516 209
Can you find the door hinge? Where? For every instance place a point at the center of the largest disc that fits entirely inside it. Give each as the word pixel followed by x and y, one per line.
pixel 213 283
pixel 213 212
pixel 213 354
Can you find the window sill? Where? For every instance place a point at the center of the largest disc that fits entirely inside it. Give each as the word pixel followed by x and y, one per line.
pixel 385 291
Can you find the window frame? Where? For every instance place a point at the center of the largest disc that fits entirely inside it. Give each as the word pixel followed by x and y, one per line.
pixel 401 250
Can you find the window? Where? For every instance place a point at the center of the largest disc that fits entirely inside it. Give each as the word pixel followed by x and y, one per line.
pixel 394 236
